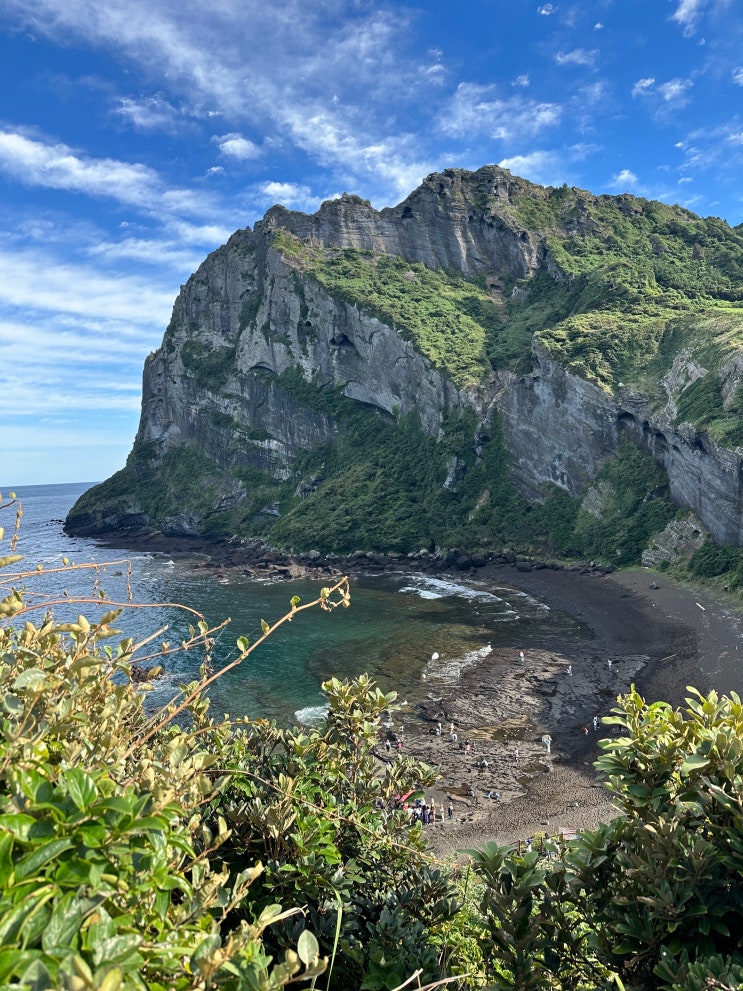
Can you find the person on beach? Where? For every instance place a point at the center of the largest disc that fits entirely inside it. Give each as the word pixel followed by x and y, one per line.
pixel 608 661
pixel 453 736
pixel 387 745
pixel 570 669
pixel 450 811
pixel 595 723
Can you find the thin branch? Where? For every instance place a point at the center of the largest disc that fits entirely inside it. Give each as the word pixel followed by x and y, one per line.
pixel 323 601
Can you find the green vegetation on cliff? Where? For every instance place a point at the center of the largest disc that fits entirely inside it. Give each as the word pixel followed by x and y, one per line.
pixel 451 320
pixel 640 281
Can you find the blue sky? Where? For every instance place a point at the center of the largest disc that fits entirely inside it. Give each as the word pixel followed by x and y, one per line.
pixel 137 135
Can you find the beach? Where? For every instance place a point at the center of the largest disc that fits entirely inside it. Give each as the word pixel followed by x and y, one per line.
pixel 645 629
pixel 658 634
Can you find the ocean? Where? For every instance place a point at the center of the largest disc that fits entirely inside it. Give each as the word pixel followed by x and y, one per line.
pixel 413 634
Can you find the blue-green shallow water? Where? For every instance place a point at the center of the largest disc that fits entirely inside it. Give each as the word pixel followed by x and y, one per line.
pixel 394 626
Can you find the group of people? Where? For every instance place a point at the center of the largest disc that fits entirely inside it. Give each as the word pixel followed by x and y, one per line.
pixel 425 814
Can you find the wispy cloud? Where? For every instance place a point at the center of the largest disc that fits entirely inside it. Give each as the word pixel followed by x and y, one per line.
pixel 643 86
pixel 34 161
pixel 298 54
pixel 152 113
pixel 546 9
pixel 578 56
pixel 687 15
pixel 476 109
pixel 663 97
pixel 41 163
pixel 80 291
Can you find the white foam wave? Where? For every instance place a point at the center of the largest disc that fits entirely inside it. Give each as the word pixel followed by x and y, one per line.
pixel 449 669
pixel 427 587
pixel 312 715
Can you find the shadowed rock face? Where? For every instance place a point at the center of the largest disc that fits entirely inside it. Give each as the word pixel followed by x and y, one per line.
pixel 252 313
pixel 560 429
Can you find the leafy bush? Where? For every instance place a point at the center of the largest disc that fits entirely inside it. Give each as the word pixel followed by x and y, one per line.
pixel 148 849
pixel 652 900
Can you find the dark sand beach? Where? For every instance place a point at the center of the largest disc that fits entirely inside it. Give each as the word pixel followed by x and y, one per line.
pixel 658 635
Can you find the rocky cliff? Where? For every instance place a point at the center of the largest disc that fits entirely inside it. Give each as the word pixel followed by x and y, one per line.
pixel 412 365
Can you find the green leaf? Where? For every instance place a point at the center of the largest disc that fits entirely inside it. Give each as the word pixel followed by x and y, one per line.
pixel 64 923
pixel 119 949
pixel 81 787
pixel 265 627
pixel 31 863
pixel 30 678
pixel 307 948
pixel 694 762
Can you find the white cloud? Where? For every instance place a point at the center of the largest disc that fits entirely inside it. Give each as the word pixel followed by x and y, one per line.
pixel 522 80
pixel 670 95
pixel 39 163
pixel 546 9
pixel 738 75
pixel 476 110
pixel 237 146
pixel 149 114
pixel 36 162
pixel 152 252
pixel 688 14
pixel 643 86
pixel 288 194
pixel 34 281
pixel 579 56
pixel 543 167
pixel 624 181
pixel 675 90
pixel 298 53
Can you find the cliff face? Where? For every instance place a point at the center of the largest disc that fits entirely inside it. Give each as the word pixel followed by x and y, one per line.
pixel 560 429
pixel 265 360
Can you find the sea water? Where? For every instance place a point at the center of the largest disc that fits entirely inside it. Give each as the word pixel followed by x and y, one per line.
pixel 413 634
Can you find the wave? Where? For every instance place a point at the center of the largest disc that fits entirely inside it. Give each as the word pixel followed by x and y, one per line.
pixel 312 715
pixel 449 669
pixel 426 587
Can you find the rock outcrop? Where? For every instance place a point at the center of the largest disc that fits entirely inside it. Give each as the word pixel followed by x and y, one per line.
pixel 259 353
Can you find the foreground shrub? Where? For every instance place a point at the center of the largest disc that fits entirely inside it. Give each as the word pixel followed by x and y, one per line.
pixel 653 899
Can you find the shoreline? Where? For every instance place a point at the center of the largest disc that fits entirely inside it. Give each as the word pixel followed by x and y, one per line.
pixel 659 634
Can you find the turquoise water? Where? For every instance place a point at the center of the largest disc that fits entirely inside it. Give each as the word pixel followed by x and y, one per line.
pixel 393 628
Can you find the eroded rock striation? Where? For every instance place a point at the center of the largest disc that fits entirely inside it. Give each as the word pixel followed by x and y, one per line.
pixel 300 350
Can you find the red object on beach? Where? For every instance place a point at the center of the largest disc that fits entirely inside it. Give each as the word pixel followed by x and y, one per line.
pixel 401 798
